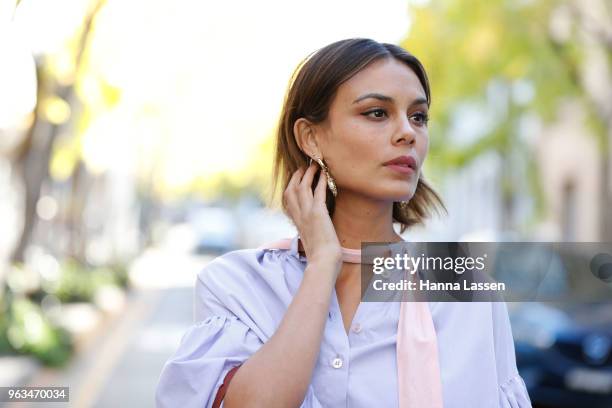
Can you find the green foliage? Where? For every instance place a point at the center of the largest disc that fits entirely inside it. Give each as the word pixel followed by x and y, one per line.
pixel 466 44
pixel 78 283
pixel 121 275
pixel 25 329
pixel 5 345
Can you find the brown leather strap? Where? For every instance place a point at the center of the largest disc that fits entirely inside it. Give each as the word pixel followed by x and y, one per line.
pixel 223 388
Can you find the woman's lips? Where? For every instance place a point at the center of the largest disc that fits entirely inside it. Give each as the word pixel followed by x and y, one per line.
pixel 404 169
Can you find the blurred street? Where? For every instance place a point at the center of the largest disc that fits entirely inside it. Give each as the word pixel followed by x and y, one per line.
pixel 121 362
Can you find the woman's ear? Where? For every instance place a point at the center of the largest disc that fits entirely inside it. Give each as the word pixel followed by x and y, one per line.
pixel 305 137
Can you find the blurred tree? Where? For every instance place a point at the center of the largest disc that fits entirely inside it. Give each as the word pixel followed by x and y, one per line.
pixel 55 96
pixel 468 45
pixel 591 21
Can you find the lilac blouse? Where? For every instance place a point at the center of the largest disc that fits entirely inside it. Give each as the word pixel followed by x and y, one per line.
pixel 240 300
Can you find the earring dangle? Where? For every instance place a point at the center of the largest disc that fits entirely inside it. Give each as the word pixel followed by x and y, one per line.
pixel 330 180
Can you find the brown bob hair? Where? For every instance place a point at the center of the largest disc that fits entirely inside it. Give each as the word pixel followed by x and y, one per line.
pixel 309 95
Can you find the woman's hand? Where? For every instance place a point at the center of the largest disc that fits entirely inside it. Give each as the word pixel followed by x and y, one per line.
pixel 310 215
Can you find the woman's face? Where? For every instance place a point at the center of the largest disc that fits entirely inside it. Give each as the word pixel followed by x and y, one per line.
pixel 362 133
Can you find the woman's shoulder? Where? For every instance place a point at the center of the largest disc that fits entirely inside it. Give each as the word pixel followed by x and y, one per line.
pixel 251 275
pixel 253 284
pixel 244 264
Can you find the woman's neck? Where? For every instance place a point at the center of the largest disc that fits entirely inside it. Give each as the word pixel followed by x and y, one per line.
pixel 359 219
pixel 363 221
pixel 353 241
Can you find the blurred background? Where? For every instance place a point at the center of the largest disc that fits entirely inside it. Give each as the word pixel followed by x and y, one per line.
pixel 136 143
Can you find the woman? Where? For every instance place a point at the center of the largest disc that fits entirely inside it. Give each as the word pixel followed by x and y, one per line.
pixel 284 326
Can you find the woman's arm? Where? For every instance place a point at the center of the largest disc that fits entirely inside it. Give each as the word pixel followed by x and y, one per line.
pixel 279 373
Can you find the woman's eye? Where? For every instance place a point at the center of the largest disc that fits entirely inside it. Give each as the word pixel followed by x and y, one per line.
pixel 421 118
pixel 377 111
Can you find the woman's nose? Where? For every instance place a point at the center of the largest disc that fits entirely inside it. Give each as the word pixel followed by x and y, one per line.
pixel 406 132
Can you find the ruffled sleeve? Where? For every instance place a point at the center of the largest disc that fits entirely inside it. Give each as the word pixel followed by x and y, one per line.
pixel 512 390
pixel 513 393
pixel 231 322
pixel 207 351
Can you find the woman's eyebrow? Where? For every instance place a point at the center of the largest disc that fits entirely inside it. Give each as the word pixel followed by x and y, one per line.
pixel 374 95
pixel 418 101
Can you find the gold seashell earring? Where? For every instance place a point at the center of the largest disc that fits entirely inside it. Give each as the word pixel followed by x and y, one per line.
pixel 330 180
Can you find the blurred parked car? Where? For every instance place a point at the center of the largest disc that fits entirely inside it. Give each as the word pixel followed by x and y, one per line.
pixel 564 353
pixel 216 230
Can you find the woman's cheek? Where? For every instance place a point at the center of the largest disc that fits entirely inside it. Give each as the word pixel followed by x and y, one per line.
pixel 423 149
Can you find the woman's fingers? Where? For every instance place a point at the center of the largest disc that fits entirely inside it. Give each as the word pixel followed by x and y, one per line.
pixel 296 177
pixel 309 214
pixel 305 187
pixel 289 195
pixel 298 197
pixel 306 181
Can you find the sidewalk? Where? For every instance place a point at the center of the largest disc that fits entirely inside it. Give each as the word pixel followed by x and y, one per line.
pixel 121 363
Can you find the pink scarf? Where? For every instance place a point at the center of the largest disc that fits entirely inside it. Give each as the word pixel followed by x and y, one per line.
pixel 418 368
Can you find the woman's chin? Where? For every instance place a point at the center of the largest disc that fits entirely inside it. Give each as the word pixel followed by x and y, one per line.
pixel 400 197
pixel 402 194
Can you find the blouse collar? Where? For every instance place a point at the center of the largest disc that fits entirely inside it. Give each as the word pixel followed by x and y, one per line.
pixel 352 255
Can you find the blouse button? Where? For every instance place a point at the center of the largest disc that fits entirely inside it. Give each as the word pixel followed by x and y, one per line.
pixel 356 328
pixel 337 362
